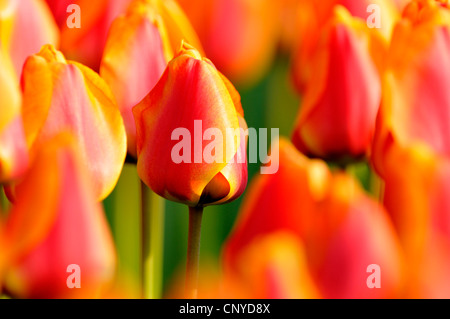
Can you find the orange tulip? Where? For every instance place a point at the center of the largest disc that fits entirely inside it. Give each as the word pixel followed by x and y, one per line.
pixel 139 46
pixel 13 148
pixel 57 222
pixel 417 195
pixel 342 230
pixel 86 43
pixel 312 20
pixel 416 101
pixel 26 25
pixel 61 95
pixel 339 108
pixel 240 36
pixel 192 97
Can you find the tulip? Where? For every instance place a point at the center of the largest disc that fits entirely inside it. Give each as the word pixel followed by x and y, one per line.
pixel 192 96
pixel 191 89
pixel 26 26
pixel 415 104
pixel 144 38
pixel 417 196
pixel 13 148
pixel 57 222
pixel 341 229
pixel 61 95
pixel 312 20
pixel 240 36
pixel 339 108
pixel 86 43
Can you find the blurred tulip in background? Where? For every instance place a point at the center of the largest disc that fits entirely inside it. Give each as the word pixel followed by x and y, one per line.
pixel 340 105
pixel 146 38
pixel 68 228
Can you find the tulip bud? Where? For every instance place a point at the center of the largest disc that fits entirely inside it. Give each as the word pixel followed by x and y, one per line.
pixel 26 25
pixel 60 95
pixel 340 228
pixel 192 102
pixel 240 36
pixel 55 226
pixel 137 52
pixel 339 108
pixel 13 148
pixel 415 104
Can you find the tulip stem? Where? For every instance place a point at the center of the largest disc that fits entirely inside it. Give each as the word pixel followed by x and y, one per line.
pixel 193 251
pixel 152 210
pixel 3 203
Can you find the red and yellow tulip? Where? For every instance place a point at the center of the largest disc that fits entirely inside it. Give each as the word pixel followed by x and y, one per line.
pixel 52 227
pixel 60 95
pixel 312 20
pixel 139 46
pixel 328 214
pixel 192 90
pixel 339 108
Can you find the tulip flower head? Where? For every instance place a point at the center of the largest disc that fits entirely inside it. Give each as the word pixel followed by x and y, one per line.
pixel 60 95
pixel 312 20
pixel 338 112
pixel 191 97
pixel 339 232
pixel 139 46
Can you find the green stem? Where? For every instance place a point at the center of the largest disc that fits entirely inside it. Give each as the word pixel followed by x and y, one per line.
pixel 193 251
pixel 4 203
pixel 377 186
pixel 152 210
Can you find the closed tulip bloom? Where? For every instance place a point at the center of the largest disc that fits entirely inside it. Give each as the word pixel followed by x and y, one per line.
pixel 416 101
pixel 13 148
pixel 57 222
pixel 342 231
pixel 60 95
pixel 84 42
pixel 192 99
pixel 417 196
pixel 26 25
pixel 240 36
pixel 312 19
pixel 139 46
pixel 338 111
